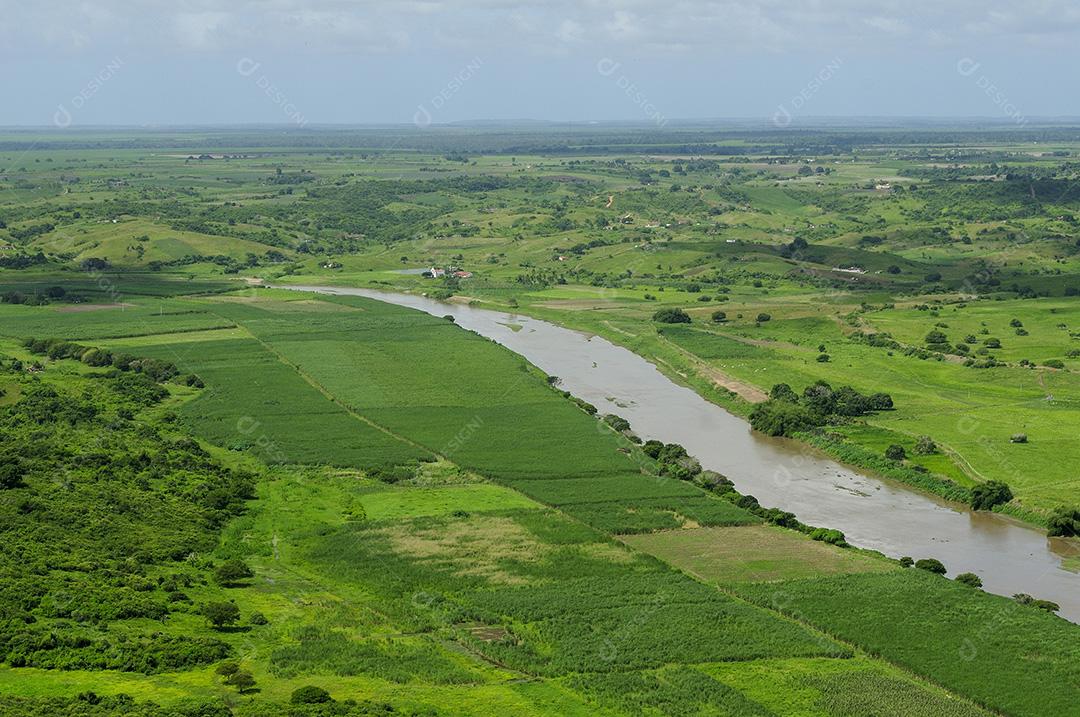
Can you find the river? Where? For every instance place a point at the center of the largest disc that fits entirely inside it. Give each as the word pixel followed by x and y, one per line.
pixel 1009 556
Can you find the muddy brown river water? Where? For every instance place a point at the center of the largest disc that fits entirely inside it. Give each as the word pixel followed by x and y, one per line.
pixel 875 513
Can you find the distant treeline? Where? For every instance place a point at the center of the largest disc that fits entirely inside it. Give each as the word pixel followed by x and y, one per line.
pixel 625 138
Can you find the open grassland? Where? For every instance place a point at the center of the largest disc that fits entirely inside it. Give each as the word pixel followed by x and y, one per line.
pixel 752 554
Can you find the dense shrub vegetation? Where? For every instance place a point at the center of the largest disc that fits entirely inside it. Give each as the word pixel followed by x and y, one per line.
pixel 787 413
pixel 100 514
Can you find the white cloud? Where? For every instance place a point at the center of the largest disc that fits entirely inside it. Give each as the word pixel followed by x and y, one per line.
pixel 198 29
pixel 624 26
pixel 570 31
pixel 889 25
pixel 378 26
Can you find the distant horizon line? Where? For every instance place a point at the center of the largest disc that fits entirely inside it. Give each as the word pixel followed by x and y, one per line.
pixel 807 122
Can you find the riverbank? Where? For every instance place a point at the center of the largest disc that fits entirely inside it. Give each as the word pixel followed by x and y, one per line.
pixel 875 514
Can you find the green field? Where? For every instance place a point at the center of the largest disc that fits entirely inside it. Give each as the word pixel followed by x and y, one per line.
pixel 752 554
pixel 220 479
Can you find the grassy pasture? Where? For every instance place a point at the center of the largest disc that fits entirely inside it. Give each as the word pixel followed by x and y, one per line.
pixel 752 554
pixel 494 569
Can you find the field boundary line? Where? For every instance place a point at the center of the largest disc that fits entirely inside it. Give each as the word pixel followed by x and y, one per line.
pixel 331 397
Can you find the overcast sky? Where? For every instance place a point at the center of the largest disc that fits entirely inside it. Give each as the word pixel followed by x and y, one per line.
pixel 309 62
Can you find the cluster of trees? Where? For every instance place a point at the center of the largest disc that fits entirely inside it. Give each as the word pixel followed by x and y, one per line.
pixel 22 261
pixel 156 369
pixel 230 264
pixel 786 413
pixel 90 704
pixel 930 565
pixel 937 341
pixel 986 495
pixel 231 674
pixel 67 648
pixel 307 701
pixel 1025 599
pixel 30 232
pixel 671 316
pixel 39 298
pixel 675 462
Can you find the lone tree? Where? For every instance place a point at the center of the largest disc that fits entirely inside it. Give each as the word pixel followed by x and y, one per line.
pixel 930 565
pixel 220 614
pixel 242 680
pixel 231 572
pixel 309 695
pixel 925 446
pixel 227 669
pixel 895 453
pixel 969 579
pixel 986 495
pixel 671 316
pixel 936 338
pixel 719 317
